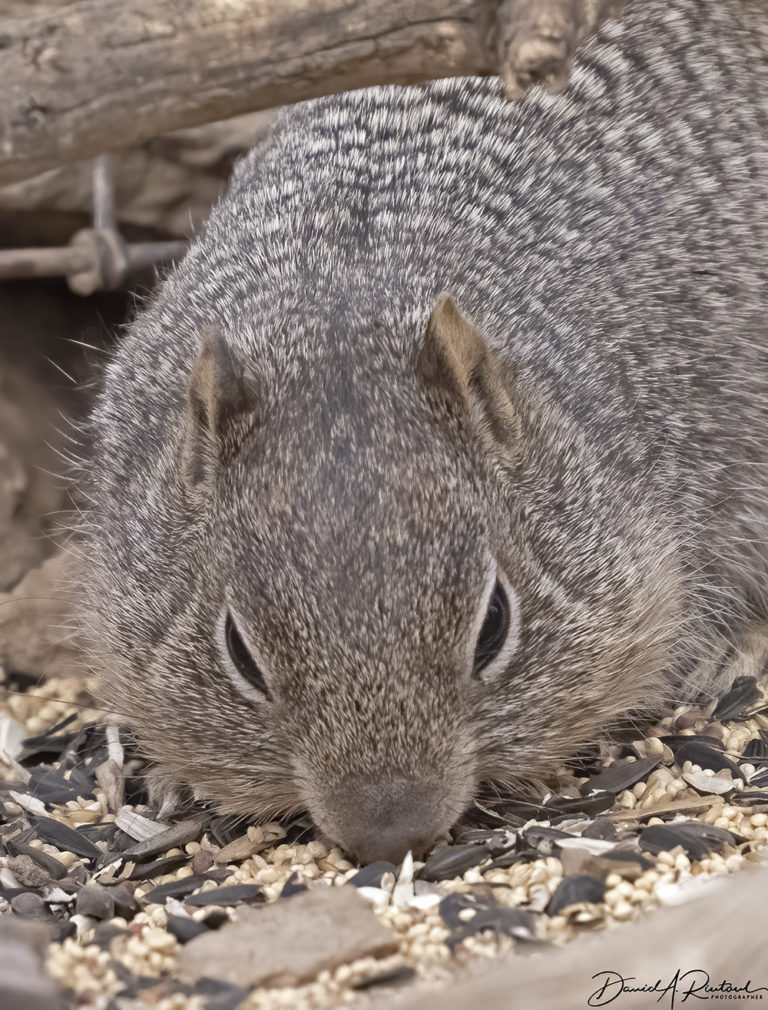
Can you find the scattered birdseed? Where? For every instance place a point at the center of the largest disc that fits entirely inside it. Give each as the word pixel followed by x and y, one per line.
pixel 627 827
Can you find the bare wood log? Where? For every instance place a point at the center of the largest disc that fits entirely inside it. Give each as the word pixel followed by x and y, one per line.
pixel 101 75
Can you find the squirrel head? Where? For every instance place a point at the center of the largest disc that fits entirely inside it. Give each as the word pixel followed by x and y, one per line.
pixel 386 579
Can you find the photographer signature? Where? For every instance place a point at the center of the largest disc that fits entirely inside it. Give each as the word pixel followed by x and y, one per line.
pixel 693 984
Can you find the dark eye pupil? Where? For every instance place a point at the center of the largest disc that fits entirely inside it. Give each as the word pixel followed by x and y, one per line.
pixel 494 630
pixel 241 657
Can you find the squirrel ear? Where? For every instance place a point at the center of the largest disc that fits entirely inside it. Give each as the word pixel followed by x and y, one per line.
pixel 222 405
pixel 467 379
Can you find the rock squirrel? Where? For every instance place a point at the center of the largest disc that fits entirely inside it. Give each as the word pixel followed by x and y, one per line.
pixel 445 446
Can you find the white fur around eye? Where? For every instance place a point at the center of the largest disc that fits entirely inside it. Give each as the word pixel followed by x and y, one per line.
pixel 240 682
pixel 496 666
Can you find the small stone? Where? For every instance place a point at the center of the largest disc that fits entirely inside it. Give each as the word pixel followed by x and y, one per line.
pixel 23 980
pixel 95 901
pixel 288 942
pixel 27 871
pixel 202 860
pixel 29 905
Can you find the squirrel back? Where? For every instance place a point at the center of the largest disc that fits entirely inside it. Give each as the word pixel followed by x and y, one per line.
pixel 444 448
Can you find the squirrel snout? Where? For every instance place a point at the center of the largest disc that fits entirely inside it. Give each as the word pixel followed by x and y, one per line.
pixel 383 820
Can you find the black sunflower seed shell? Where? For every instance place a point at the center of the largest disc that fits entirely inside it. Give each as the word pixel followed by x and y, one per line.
pixel 750 797
pixel 51 787
pixel 601 828
pixel 452 861
pixel 756 751
pixel 184 929
pixel 105 933
pixel 451 905
pixel 628 856
pixel 63 837
pixel 676 740
pixel 500 920
pixel 176 836
pixel 292 886
pixel 52 866
pixel 714 836
pixel 52 731
pixel 495 841
pixel 159 867
pixel 573 890
pixel 591 805
pixel 174 889
pixel 394 976
pixel 620 775
pixel 586 762
pixel 219 995
pixel 370 875
pixel 734 705
pixel 126 904
pixel 79 776
pixel 759 780
pixel 226 829
pixel 35 750
pixel 707 757
pixel 517 855
pixel 226 896
pixel 696 841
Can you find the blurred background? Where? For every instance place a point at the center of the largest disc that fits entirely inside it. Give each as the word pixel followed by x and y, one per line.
pixel 53 341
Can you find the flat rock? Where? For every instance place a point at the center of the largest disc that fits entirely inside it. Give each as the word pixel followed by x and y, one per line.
pixel 288 942
pixel 23 981
pixel 34 617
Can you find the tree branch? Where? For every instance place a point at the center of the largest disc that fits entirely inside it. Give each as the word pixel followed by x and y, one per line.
pixel 101 75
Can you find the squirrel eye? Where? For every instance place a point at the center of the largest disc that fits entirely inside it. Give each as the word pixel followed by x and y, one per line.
pixel 241 657
pixel 493 633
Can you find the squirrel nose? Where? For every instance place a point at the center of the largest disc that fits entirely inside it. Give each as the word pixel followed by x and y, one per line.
pixel 385 819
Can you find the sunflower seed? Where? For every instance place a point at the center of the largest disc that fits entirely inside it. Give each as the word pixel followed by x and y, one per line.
pixel 158 867
pixel 139 828
pixel 756 751
pixel 184 929
pixel 696 839
pixel 51 787
pixel 573 890
pixel 395 976
pixel 742 696
pixel 448 861
pixel 175 837
pixel 227 896
pixel 707 756
pixel 621 775
pixel 292 886
pixel 53 867
pixel 370 875
pixel 707 784
pixel 219 995
pixel 174 889
pixel 591 804
pixel 64 838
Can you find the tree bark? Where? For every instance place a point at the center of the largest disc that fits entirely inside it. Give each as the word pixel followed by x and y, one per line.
pixel 101 75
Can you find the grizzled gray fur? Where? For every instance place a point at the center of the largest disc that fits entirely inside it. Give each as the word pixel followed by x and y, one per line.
pixel 435 350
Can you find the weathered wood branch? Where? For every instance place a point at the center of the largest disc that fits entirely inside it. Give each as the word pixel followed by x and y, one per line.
pixel 100 75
